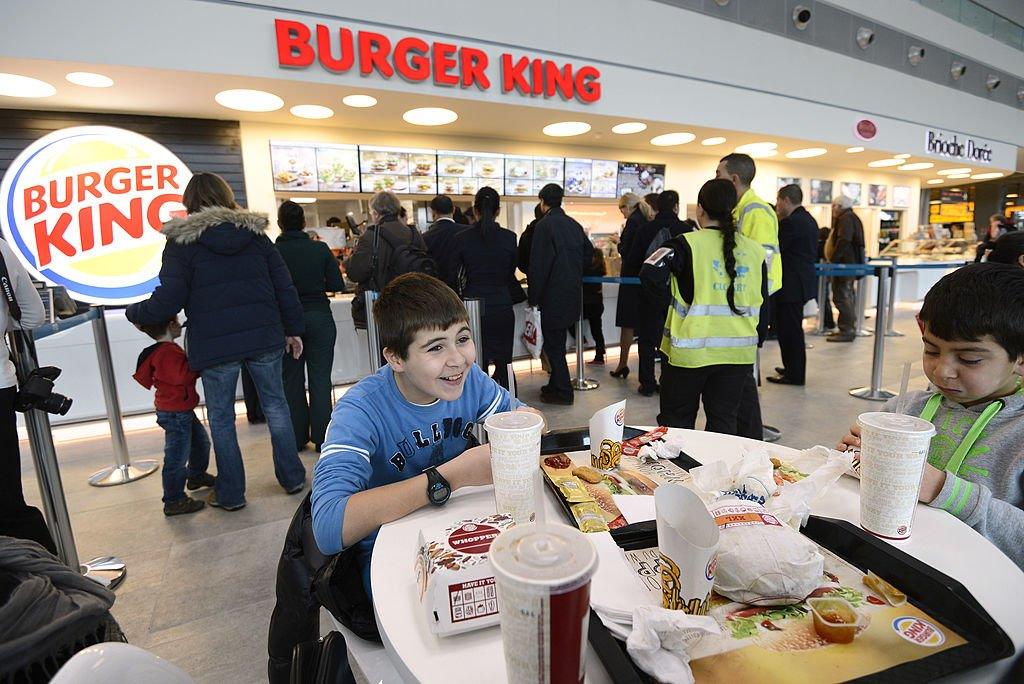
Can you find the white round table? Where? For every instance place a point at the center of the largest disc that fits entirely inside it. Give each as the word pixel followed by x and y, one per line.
pixel 939 539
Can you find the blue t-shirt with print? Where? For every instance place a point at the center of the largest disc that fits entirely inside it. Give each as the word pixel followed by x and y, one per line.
pixel 377 437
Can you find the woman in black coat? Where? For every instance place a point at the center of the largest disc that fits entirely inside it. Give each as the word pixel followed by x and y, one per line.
pixel 485 264
pixel 629 295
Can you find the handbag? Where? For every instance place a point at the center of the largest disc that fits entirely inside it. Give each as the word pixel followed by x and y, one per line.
pixel 532 336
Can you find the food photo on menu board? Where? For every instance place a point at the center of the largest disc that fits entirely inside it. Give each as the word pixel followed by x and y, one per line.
pixel 337 168
pixel 821 191
pixel 878 195
pixel 549 169
pixel 463 173
pixel 578 177
pixel 603 178
pixel 640 178
pixel 901 196
pixel 852 190
pixel 399 170
pixel 293 166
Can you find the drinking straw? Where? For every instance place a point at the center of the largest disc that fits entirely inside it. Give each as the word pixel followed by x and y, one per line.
pixel 901 400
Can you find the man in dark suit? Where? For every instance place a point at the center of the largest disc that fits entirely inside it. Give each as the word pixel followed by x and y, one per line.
pixel 561 251
pixel 440 236
pixel 798 243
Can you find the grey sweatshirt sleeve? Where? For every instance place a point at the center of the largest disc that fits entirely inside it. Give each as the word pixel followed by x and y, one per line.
pixel 999 521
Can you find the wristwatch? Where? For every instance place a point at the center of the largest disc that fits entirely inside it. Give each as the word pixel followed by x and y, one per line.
pixel 438 489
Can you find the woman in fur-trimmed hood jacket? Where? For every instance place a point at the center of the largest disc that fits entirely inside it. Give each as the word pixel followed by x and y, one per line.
pixel 223 270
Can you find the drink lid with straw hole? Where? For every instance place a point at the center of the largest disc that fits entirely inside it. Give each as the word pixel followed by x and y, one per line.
pixel 894 422
pixel 555 556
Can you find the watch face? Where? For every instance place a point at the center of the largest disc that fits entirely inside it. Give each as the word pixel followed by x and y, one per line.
pixel 439 493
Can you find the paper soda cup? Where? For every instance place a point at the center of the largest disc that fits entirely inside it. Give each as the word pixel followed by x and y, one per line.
pixel 687 547
pixel 606 436
pixel 542 573
pixel 893 451
pixel 515 456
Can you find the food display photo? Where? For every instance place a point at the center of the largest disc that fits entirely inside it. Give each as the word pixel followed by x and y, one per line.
pixel 578 177
pixel 463 173
pixel 294 166
pixel 640 178
pixel 878 195
pixel 337 168
pixel 401 170
pixel 603 178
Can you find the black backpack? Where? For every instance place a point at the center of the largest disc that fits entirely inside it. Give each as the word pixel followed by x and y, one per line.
pixel 407 257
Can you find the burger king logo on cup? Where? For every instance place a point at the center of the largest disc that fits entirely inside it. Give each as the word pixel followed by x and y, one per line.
pixel 918 631
pixel 620 416
pixel 709 571
pixel 83 206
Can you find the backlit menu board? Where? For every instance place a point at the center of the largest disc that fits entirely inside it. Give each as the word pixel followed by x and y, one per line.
pixel 293 166
pixel 398 169
pixel 337 168
pixel 519 176
pixel 578 177
pixel 604 178
pixel 463 173
pixel 640 178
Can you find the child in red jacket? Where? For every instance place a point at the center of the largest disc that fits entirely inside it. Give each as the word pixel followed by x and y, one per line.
pixel 186 445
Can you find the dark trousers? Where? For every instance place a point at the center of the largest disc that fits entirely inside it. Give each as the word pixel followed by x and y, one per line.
pixel 498 328
pixel 788 321
pixel 845 297
pixel 309 419
pixel 598 333
pixel 17 518
pixel 721 388
pixel 748 421
pixel 253 410
pixel 649 332
pixel 186 451
pixel 554 346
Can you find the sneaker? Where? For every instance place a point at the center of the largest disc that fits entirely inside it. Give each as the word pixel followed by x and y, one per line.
pixel 296 489
pixel 183 506
pixel 200 481
pixel 216 504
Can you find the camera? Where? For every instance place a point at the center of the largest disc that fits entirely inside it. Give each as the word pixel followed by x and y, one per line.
pixel 37 393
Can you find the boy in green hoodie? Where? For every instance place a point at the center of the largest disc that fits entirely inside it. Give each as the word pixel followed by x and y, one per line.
pixel 972 326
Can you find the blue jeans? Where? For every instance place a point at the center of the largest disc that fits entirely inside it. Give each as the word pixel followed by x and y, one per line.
pixel 219 385
pixel 186 451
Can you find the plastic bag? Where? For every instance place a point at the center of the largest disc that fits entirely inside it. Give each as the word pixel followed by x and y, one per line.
pixel 532 337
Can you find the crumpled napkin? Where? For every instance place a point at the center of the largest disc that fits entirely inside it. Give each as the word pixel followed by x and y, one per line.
pixel 666 448
pixel 661 641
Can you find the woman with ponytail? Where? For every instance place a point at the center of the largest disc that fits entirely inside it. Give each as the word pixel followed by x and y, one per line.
pixel 484 265
pixel 719 283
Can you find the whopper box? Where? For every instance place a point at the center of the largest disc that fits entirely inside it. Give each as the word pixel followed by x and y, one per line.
pixel 454 575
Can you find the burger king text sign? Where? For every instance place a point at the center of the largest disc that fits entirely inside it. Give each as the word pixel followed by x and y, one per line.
pixel 83 206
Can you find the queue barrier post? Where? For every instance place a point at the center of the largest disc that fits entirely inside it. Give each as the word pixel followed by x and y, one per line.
pixel 372 336
pixel 890 330
pixel 123 470
pixel 474 307
pixel 823 302
pixel 861 285
pixel 108 571
pixel 875 392
pixel 581 383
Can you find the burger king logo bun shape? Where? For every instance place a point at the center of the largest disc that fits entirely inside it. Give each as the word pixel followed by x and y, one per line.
pixel 83 207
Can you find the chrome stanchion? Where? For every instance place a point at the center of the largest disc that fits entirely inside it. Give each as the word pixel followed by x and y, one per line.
pixel 890 330
pixel 768 432
pixel 474 307
pixel 862 304
pixel 875 392
pixel 372 338
pixel 108 571
pixel 581 383
pixel 823 302
pixel 123 470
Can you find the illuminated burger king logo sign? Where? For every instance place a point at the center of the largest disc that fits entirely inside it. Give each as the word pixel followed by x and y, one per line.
pixel 83 206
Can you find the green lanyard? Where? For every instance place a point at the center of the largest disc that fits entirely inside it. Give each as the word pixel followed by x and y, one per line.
pixel 957 460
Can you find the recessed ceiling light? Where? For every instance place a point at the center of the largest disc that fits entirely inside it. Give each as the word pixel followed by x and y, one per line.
pixel 670 139
pixel 854 150
pixel 359 101
pixel 13 85
pixel 89 79
pixel 565 129
pixel 986 176
pixel 916 166
pixel 935 181
pixel 762 153
pixel 901 156
pixel 708 142
pixel 303 200
pixel 311 111
pixel 629 127
pixel 878 163
pixel 958 175
pixel 948 172
pixel 807 152
pixel 755 147
pixel 247 100
pixel 430 116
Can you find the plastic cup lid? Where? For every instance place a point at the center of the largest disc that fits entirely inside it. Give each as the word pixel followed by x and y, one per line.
pixel 543 555
pixel 895 422
pixel 513 421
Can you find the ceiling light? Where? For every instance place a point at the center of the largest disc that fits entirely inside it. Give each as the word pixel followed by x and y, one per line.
pixel 915 54
pixel 986 176
pixel 359 101
pixel 947 172
pixel 430 116
pixel 89 79
pixel 311 111
pixel 957 69
pixel 708 142
pixel 1013 194
pixel 878 163
pixel 751 148
pixel 992 82
pixel 763 153
pixel 801 17
pixel 916 166
pixel 565 129
pixel 302 200
pixel 629 127
pixel 249 100
pixel 901 156
pixel 865 37
pixel 807 152
pixel 13 85
pixel 935 181
pixel 958 175
pixel 669 139
pixel 854 150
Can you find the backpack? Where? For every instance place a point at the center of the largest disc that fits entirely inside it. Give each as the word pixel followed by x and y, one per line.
pixel 661 237
pixel 407 257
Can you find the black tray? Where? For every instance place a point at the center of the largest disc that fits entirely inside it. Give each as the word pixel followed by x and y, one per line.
pixel 937 594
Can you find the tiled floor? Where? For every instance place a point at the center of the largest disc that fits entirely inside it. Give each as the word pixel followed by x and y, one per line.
pixel 200 588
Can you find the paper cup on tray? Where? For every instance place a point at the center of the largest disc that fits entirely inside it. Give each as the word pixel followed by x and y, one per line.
pixel 893 451
pixel 514 438
pixel 687 546
pixel 606 436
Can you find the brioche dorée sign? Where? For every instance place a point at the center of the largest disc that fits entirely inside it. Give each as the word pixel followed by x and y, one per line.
pixel 341 50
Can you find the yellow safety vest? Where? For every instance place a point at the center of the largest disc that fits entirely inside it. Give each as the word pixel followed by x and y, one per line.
pixel 706 332
pixel 757 220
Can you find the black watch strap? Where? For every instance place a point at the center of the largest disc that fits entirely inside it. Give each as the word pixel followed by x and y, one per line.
pixel 438 488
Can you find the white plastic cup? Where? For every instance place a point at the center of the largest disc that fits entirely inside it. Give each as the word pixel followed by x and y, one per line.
pixel 687 547
pixel 514 438
pixel 893 451
pixel 543 573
